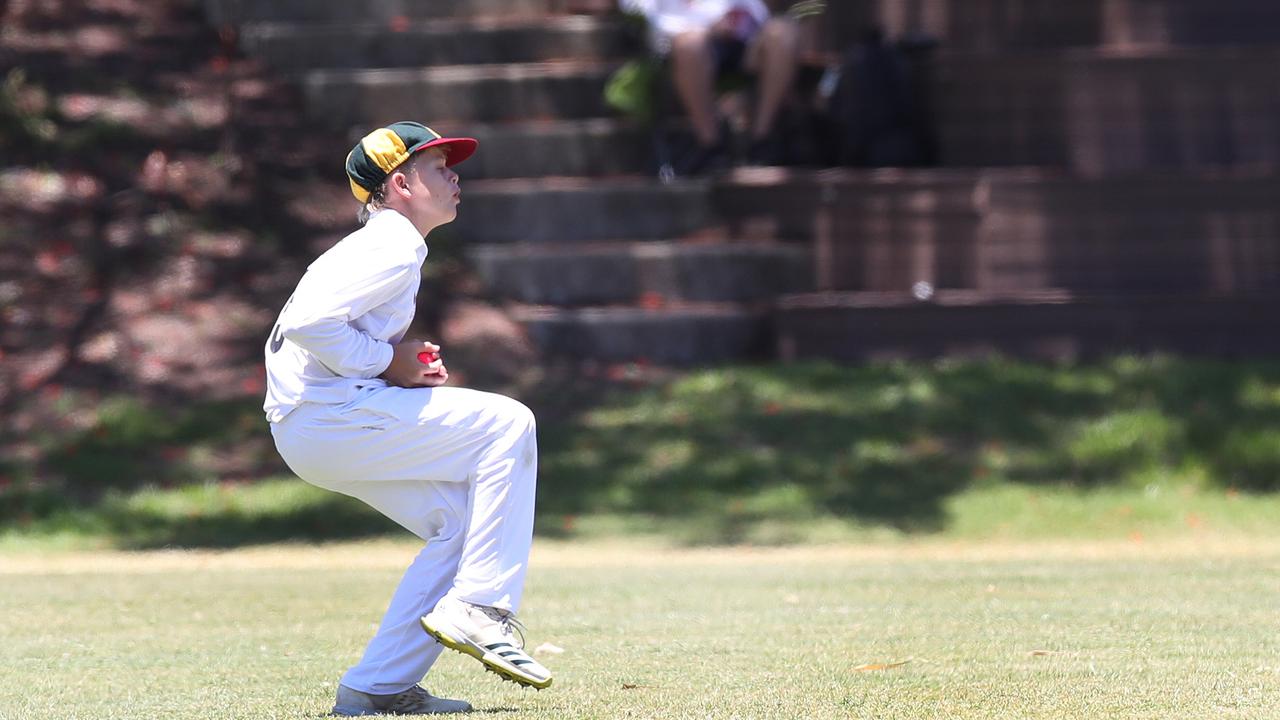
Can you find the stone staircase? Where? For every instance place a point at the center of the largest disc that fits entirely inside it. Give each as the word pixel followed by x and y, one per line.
pixel 561 213
pixel 1109 181
pixel 1112 165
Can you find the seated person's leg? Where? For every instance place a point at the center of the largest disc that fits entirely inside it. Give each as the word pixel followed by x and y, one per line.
pixel 693 73
pixel 774 57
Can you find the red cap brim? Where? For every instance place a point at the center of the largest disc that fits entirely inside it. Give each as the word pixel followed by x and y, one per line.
pixel 459 148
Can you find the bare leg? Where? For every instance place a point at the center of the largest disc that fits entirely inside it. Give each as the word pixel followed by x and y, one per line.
pixel 774 55
pixel 694 76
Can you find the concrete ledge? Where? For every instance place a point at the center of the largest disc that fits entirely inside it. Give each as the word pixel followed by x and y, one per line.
pixel 1007 230
pixel 474 93
pixel 692 335
pixel 1109 112
pixel 292 47
pixel 861 327
pixel 654 273
pixel 571 148
pixel 238 12
pixel 997 25
pixel 577 210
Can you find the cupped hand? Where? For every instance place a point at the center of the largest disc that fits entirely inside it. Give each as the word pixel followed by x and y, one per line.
pixel 407 370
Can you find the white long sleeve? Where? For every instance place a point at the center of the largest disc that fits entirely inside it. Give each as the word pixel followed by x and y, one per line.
pixel 319 319
pixel 336 334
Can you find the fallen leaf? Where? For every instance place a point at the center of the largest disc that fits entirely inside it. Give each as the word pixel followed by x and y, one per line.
pixel 651 300
pixel 631 686
pixel 547 648
pixel 1040 653
pixel 880 666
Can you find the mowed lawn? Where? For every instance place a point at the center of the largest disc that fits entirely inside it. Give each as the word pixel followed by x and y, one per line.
pixel 1176 628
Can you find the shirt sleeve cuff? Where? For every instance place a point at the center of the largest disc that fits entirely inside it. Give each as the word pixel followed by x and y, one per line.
pixel 386 351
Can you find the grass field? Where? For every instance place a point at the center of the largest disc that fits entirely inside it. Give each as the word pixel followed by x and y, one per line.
pixel 1182 627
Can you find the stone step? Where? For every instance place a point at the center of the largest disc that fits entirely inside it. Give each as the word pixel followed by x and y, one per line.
pixel 1175 234
pixel 290 47
pixel 861 327
pixel 651 274
pixel 577 210
pixel 458 93
pixel 1004 230
pixel 573 148
pixel 871 230
pixel 687 335
pixel 996 25
pixel 1090 111
pixel 784 203
pixel 390 13
pixel 1110 112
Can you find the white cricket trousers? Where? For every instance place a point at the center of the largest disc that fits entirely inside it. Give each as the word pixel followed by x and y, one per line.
pixel 455 467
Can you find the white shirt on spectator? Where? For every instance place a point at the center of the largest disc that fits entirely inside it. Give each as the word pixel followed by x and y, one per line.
pixel 668 18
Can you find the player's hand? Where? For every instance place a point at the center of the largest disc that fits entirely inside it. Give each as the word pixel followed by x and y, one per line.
pixel 409 370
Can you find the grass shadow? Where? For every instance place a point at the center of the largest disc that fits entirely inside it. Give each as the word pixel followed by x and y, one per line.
pixel 722 451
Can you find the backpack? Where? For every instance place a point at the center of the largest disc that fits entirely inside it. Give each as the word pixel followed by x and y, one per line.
pixel 877 115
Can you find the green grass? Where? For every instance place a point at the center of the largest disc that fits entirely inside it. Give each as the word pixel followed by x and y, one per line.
pixel 285 508
pixel 891 444
pixel 766 454
pixel 1177 629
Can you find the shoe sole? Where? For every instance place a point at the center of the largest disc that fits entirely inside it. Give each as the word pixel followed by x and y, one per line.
pixel 490 661
pixel 344 711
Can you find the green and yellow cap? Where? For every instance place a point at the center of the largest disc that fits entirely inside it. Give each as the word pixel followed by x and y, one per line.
pixel 381 151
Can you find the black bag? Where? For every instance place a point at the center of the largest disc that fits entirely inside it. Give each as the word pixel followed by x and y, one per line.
pixel 878 113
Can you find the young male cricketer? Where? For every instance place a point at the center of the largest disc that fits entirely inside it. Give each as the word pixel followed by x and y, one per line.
pixel 356 408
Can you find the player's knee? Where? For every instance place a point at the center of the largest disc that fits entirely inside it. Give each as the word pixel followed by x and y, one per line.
pixel 517 416
pixel 524 418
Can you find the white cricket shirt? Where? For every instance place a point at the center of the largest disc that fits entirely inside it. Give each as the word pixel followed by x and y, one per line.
pixel 353 304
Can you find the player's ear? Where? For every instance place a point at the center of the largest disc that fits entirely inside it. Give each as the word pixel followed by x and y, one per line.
pixel 399 184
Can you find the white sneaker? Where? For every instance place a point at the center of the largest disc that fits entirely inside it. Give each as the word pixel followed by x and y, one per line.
pixel 487 634
pixel 414 701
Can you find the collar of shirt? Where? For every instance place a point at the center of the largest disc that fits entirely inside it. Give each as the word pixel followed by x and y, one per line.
pixel 394 225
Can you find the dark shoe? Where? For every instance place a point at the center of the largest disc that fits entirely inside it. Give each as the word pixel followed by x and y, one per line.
pixel 765 152
pixel 414 701
pixel 704 159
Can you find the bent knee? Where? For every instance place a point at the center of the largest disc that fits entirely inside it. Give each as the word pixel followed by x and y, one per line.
pixel 517 416
pixel 780 32
pixel 691 42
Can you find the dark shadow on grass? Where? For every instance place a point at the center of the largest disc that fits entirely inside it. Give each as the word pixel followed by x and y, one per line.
pixel 890 444
pixel 723 450
pixel 476 711
pixel 335 518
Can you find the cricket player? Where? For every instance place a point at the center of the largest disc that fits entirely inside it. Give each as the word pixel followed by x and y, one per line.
pixel 358 409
